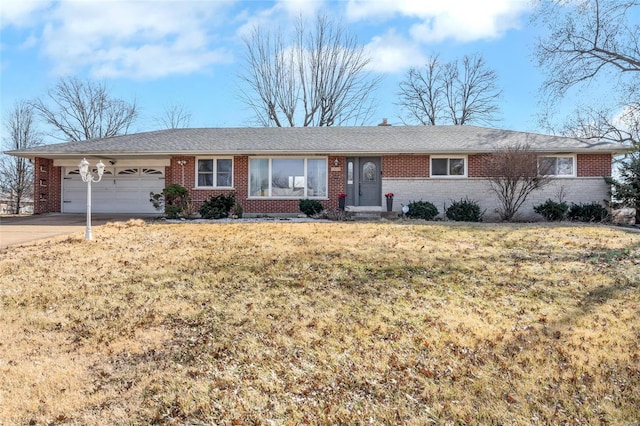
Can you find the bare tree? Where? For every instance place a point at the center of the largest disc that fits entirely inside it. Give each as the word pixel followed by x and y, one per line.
pixel 513 174
pixel 320 79
pixel 16 174
pixel 600 123
pixel 596 41
pixel 174 117
pixel 457 92
pixel 421 93
pixel 81 110
pixel 588 38
pixel 592 41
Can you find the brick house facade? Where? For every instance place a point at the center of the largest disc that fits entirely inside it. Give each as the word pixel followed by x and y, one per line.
pixel 452 170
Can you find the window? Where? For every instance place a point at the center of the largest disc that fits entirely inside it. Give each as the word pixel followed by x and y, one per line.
pixel 563 166
pixel 448 166
pixel 288 177
pixel 215 172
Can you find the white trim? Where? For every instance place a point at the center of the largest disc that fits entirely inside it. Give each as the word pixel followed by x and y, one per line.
pixel 214 159
pixel 125 162
pixel 449 157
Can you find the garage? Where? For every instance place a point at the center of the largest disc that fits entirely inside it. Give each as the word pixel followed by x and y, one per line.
pixel 121 190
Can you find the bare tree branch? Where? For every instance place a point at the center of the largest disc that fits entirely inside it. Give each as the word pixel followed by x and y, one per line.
pixel 457 93
pixel 174 117
pixel 514 173
pixel 587 37
pixel 16 174
pixel 602 124
pixel 81 110
pixel 319 80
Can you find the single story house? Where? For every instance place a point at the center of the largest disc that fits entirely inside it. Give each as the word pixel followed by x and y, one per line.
pixel 271 169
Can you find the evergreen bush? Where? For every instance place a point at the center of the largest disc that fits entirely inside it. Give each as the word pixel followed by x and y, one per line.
pixel 588 212
pixel 174 198
pixel 218 206
pixel 422 210
pixel 552 210
pixel 464 211
pixel 310 207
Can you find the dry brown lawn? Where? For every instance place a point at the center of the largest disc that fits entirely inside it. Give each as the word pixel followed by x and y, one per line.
pixel 322 323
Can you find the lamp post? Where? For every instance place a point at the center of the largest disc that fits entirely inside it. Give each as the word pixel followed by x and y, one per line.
pixel 88 177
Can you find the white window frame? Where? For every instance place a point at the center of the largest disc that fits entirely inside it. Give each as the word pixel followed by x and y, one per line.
pixel 449 157
pixel 574 171
pixel 305 159
pixel 215 172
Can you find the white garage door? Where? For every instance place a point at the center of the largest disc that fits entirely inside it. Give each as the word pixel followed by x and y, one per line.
pixel 121 190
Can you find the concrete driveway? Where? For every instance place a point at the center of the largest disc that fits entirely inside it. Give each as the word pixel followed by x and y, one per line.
pixel 16 230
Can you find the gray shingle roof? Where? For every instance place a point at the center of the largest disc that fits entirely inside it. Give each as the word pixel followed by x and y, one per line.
pixel 316 140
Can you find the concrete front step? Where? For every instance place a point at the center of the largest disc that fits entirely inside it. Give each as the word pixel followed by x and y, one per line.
pixel 371 213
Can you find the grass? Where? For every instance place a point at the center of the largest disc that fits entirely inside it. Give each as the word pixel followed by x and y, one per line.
pixel 322 323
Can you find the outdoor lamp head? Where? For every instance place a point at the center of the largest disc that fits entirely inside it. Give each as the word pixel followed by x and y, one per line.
pixel 100 167
pixel 84 167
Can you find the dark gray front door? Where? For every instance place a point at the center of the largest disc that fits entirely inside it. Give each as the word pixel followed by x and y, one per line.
pixel 364 184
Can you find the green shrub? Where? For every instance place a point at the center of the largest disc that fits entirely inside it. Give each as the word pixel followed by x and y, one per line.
pixel 310 207
pixel 588 212
pixel 174 198
pixel 422 210
pixel 464 211
pixel 552 210
pixel 218 206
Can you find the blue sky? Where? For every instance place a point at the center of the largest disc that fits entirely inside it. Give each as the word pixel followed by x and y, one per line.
pixel 188 53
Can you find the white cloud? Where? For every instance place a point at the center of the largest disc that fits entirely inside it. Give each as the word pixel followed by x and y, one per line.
pixel 282 15
pixel 393 53
pixel 142 39
pixel 21 13
pixel 301 7
pixel 460 20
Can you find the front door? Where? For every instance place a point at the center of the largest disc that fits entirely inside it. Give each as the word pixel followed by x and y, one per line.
pixel 364 184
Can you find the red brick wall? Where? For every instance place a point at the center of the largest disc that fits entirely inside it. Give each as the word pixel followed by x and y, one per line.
pixel 477 165
pixel 47 186
pixel 594 165
pixel 417 166
pixel 405 166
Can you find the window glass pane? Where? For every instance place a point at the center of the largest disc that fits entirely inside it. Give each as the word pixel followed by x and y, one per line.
pixel 369 172
pixel 287 177
pixel 564 166
pixel 205 179
pixel 439 166
pixel 223 172
pixel 205 166
pixel 224 165
pixel 205 172
pixel 316 177
pixel 456 166
pixel 547 166
pixel 259 177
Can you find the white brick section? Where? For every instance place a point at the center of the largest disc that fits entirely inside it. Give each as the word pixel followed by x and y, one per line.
pixel 441 192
